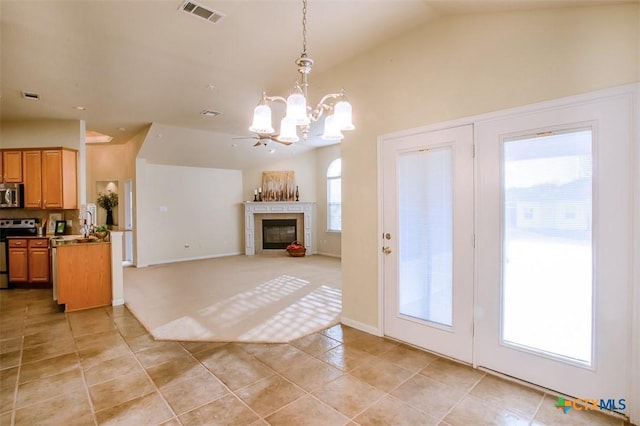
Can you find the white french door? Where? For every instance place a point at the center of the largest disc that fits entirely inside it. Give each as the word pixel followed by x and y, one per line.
pixel 428 240
pixel 553 247
pixel 546 294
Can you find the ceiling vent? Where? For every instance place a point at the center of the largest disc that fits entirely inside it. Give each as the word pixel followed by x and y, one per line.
pixel 210 113
pixel 31 96
pixel 201 11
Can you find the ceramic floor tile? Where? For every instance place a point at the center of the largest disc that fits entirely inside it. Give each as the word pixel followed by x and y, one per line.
pixel 348 395
pixel 269 394
pixel 119 390
pixel 390 411
pixel 47 350
pixel 345 357
pixel 381 374
pixel 282 357
pixel 8 383
pixel 193 391
pixel 451 372
pixel 311 374
pixel 369 343
pixel 175 370
pixel 233 366
pixel 49 387
pixel 315 344
pixel 67 409
pixel 111 368
pixel 142 341
pixel 428 395
pixel 146 410
pixel 103 350
pixel 161 354
pixel 472 411
pixel 49 367
pixel 48 335
pixel 408 357
pixel 307 411
pixel 11 344
pixel 502 393
pixel 227 410
pixel 195 347
pixel 10 359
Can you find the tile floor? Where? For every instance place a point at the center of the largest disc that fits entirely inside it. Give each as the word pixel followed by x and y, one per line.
pixel 100 366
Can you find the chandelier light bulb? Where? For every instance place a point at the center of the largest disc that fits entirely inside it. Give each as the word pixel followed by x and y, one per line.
pixel 343 112
pixel 297 107
pixel 261 119
pixel 332 129
pixel 287 131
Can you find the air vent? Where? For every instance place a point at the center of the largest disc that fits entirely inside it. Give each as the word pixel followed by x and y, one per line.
pixel 201 11
pixel 31 96
pixel 210 113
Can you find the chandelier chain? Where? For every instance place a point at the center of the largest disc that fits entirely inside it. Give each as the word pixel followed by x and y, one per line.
pixel 304 28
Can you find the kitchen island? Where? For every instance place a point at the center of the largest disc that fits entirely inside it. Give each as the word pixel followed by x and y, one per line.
pixel 83 275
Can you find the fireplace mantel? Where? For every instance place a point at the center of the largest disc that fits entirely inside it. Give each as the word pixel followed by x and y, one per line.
pixel 252 208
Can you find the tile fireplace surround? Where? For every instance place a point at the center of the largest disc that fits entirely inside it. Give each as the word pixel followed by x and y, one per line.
pixel 278 208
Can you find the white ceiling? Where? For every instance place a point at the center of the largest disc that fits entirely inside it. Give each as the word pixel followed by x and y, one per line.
pixel 137 62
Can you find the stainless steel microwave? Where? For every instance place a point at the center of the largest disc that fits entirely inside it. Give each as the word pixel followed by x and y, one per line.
pixel 11 195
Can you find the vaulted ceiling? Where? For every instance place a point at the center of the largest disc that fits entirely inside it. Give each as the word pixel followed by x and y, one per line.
pixel 133 63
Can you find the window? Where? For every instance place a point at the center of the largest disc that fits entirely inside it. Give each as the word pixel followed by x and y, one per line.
pixel 334 196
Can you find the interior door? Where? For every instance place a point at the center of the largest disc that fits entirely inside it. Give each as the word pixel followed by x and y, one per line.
pixel 553 247
pixel 428 240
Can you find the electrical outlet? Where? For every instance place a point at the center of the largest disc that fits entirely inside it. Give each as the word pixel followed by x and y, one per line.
pixel 187 246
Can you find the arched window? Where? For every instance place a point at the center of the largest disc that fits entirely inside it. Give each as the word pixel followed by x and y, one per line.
pixel 334 196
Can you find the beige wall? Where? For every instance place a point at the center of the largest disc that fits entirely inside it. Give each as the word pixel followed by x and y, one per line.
pixel 187 206
pixel 106 163
pixel 457 67
pixel 41 133
pixel 328 242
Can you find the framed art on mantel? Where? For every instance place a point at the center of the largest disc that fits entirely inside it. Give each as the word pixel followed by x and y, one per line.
pixel 278 186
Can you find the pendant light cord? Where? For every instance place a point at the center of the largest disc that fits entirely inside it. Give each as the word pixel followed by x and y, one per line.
pixel 304 28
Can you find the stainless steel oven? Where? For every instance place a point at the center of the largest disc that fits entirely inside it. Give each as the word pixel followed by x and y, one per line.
pixel 13 228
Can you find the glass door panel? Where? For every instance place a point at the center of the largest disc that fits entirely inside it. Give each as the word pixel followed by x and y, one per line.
pixel 426 235
pixel 547 282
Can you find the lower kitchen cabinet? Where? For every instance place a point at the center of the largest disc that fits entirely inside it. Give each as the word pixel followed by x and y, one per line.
pixel 29 262
pixel 83 275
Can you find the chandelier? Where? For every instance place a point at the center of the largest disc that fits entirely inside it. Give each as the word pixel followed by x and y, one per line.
pixel 299 113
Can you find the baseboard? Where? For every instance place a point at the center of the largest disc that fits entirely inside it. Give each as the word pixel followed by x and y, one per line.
pixel 361 326
pixel 187 259
pixel 117 302
pixel 338 256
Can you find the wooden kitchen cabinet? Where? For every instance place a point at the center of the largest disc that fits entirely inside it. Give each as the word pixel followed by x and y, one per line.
pixel 32 168
pixel 83 275
pixel 29 260
pixel 18 261
pixel 11 166
pixel 50 179
pixel 39 260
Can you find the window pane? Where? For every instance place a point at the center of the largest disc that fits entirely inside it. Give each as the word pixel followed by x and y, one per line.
pixel 547 250
pixel 335 168
pixel 426 235
pixel 335 190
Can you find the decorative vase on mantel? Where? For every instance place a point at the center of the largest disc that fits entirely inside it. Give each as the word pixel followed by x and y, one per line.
pixel 109 217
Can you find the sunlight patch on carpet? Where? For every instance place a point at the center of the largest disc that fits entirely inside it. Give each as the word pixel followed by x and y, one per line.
pixel 279 310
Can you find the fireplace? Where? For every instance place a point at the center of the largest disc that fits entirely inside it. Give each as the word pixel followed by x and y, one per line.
pixel 278 233
pixel 256 212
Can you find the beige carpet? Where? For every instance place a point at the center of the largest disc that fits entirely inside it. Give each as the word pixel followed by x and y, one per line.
pixel 262 298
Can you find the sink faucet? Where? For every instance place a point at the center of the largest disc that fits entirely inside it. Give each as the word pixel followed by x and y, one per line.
pixel 86 227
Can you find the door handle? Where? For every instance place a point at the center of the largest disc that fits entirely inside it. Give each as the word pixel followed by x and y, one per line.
pixel 386 250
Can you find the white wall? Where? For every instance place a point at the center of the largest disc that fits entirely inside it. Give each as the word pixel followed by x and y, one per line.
pixel 202 210
pixel 457 67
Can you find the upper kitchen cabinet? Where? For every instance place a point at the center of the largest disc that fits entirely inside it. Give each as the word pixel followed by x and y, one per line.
pixel 11 166
pixel 50 179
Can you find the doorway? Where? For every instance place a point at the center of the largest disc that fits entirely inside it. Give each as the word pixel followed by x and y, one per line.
pixel 513 251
